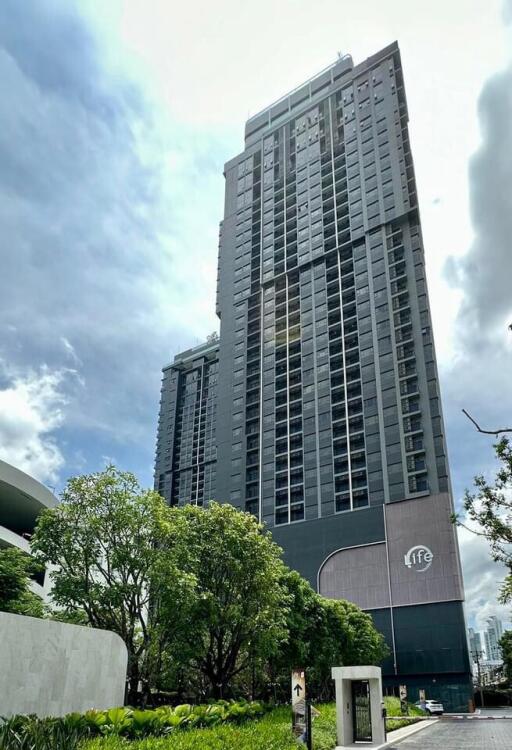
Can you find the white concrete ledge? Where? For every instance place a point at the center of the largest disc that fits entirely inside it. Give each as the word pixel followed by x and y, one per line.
pixel 402 734
pixel 393 738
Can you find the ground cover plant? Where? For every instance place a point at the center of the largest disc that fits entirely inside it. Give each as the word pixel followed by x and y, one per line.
pixel 31 733
pixel 224 725
pixel 271 732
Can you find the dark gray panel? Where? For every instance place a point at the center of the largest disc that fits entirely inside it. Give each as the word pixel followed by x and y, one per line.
pixel 306 545
pixel 359 575
pixel 423 554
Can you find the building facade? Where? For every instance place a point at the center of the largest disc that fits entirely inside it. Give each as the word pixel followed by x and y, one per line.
pixel 186 447
pixel 329 426
pixel 492 636
pixel 476 652
pixel 22 499
pixel 329 421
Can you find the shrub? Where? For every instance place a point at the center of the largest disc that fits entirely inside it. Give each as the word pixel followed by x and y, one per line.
pixel 31 733
pixel 217 726
pixel 272 732
pixel 414 713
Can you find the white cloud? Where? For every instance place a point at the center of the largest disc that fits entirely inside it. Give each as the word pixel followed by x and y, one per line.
pixel 31 409
pixel 99 206
pixel 70 350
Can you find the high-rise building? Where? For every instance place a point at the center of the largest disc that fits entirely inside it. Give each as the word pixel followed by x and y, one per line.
pixel 492 636
pixel 475 645
pixel 329 417
pixel 329 423
pixel 186 448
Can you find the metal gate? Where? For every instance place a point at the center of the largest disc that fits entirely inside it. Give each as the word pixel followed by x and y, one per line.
pixel 361 711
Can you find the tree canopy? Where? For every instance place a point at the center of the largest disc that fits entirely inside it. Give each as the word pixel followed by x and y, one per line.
pixel 200 596
pixel 238 612
pixel 506 652
pixel 16 570
pixel 323 633
pixel 490 507
pixel 103 539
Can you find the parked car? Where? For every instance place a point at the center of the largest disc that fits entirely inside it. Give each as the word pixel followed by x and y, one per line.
pixel 433 708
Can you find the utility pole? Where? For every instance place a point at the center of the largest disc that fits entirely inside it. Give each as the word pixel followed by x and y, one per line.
pixel 477 655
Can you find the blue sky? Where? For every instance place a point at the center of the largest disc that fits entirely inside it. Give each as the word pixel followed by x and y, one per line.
pixel 117 119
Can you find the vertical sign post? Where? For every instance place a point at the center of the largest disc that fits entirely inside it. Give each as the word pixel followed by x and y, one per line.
pixel 403 700
pixel 422 698
pixel 299 703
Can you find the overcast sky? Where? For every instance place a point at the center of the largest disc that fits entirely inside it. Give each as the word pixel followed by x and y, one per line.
pixel 117 119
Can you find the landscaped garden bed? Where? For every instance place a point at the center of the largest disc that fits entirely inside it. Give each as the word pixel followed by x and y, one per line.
pixel 126 724
pixel 393 710
pixel 271 732
pixel 225 725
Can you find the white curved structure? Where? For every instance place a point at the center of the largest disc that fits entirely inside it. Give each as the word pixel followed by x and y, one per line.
pixel 51 668
pixel 22 499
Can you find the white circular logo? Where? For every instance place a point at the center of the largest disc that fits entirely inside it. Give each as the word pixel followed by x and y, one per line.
pixel 419 558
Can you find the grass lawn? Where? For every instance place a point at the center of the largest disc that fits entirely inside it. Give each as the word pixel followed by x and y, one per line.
pixel 272 732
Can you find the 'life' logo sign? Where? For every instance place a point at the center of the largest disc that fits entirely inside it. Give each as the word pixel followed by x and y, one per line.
pixel 419 558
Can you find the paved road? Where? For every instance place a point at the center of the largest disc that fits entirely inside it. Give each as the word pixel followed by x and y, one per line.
pixel 496 712
pixel 462 735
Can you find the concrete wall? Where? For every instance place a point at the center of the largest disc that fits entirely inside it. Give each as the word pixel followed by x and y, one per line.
pixel 50 668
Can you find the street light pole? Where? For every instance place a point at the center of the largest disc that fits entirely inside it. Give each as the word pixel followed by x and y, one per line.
pixel 309 725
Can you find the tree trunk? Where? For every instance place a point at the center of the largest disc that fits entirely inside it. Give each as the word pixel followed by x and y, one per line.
pixel 217 689
pixel 132 682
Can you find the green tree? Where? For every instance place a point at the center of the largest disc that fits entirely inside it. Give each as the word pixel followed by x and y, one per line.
pixel 324 633
pixel 506 651
pixel 16 570
pixel 305 623
pixel 362 643
pixel 200 597
pixel 105 540
pixel 490 508
pixel 238 614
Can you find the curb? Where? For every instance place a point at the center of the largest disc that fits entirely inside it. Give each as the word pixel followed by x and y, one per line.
pixel 400 735
pixel 406 732
pixel 473 717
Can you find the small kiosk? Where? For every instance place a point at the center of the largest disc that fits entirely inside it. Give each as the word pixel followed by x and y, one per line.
pixel 359 709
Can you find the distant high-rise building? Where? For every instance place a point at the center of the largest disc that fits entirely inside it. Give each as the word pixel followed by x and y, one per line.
pixel 329 423
pixel 475 645
pixel 186 447
pixel 492 636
